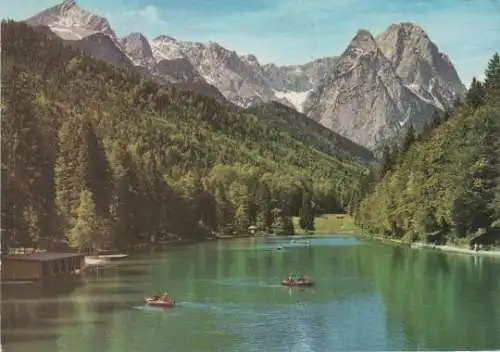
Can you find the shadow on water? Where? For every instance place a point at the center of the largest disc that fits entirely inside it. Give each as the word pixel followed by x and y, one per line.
pixel 104 290
pixel 20 307
pixel 48 288
pixel 22 336
pixel 117 271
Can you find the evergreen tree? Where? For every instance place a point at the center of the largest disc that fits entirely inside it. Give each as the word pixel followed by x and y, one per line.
pixel 32 219
pixel 69 171
pixel 408 139
pixel 306 220
pixel 436 120
pixel 98 174
pixel 225 212
pixel 263 204
pixel 84 233
pixel 426 131
pixel 124 200
pixel 23 158
pixel 287 228
pixel 387 161
pixel 475 95
pixel 492 79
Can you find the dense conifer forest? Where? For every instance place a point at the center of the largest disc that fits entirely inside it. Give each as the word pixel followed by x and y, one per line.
pixel 100 157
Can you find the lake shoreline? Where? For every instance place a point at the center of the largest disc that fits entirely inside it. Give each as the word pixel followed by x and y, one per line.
pixel 428 246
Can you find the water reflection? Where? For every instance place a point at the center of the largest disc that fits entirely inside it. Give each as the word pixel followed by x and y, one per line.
pixel 441 301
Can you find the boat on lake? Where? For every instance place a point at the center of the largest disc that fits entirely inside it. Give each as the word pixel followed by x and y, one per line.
pixel 297 282
pixel 157 301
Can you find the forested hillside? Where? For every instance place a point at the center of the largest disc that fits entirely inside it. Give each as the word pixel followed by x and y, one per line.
pixel 98 155
pixel 311 132
pixel 445 181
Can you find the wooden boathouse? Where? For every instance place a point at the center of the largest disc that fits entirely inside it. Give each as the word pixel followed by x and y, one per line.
pixel 42 265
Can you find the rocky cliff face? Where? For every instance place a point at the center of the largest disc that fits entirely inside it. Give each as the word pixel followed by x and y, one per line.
pixel 299 78
pixel 380 86
pixel 137 48
pixel 241 82
pixel 102 47
pixel 420 65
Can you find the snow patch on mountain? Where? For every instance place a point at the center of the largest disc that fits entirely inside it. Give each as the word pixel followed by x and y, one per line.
pixel 296 98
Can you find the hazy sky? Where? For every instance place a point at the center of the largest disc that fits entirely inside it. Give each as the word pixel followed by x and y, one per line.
pixel 295 31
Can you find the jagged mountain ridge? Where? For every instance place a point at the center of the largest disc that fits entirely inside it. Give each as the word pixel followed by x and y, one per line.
pixel 427 76
pixel 371 96
pixel 240 78
pixel 93 34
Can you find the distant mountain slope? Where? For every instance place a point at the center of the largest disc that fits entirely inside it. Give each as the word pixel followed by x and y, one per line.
pixel 102 47
pixel 310 132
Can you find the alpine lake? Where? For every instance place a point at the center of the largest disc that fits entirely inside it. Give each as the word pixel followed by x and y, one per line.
pixel 368 296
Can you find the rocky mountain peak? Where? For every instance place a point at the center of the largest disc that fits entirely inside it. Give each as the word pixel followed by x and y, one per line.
pixel 165 47
pixel 137 47
pixel 69 21
pixel 407 29
pixel 67 4
pixel 363 40
pixel 420 64
pixel 165 38
pixel 250 59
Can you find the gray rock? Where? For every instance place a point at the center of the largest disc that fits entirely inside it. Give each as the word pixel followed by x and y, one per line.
pixel 137 48
pixel 419 63
pixel 71 22
pixel 381 86
pixel 364 99
pixel 299 78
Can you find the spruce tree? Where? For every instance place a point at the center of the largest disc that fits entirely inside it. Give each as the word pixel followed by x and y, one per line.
pixel 263 205
pixel 408 139
pixel 492 79
pixel 386 162
pixel 84 233
pixel 476 94
pixel 436 119
pixel 98 174
pixel 306 220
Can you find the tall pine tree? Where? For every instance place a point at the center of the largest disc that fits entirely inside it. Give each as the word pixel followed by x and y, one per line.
pixel 492 79
pixel 476 94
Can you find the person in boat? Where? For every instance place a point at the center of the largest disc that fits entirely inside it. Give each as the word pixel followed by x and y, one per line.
pixel 165 297
pixel 290 278
pixel 301 278
pixel 156 297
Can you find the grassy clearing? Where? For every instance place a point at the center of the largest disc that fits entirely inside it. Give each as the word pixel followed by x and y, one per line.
pixel 330 224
